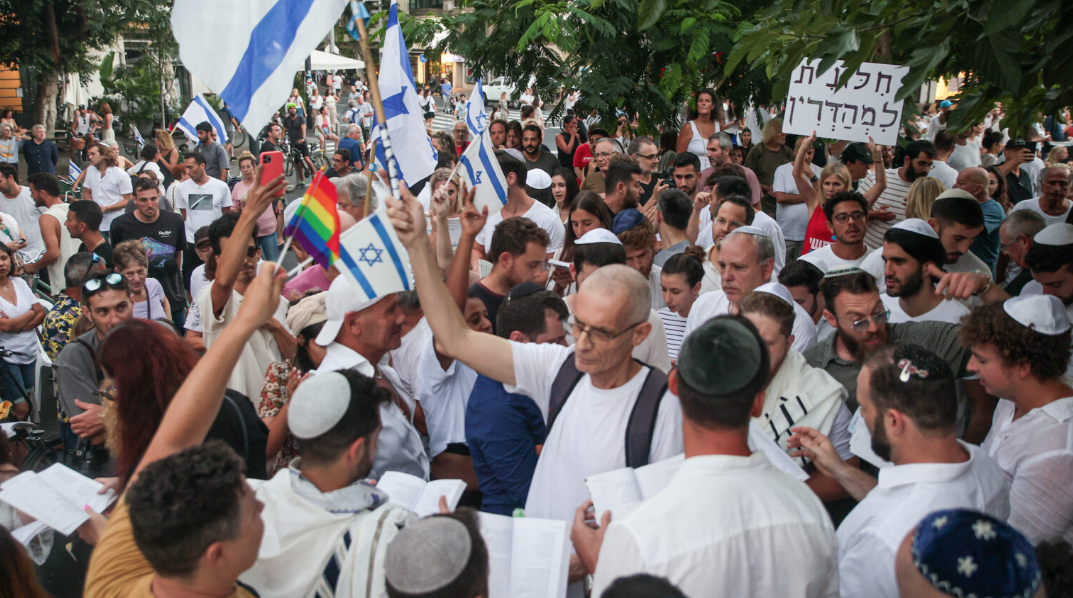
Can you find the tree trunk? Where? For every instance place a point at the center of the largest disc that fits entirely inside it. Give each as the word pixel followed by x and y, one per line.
pixel 45 102
pixel 883 47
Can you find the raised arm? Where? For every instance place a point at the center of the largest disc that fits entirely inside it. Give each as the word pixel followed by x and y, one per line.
pixel 803 175
pixel 873 193
pixel 191 412
pixel 485 353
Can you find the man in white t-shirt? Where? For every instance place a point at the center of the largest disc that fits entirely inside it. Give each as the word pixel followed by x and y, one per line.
pixel 791 212
pixel 966 152
pixel 847 219
pixel 889 208
pixel 938 122
pixel 940 170
pixel 911 251
pixel 1053 205
pixel 519 204
pixel 106 184
pixel 909 407
pixel 235 245
pixel 17 202
pixel 733 185
pixel 746 259
pixel 201 199
pixel 610 318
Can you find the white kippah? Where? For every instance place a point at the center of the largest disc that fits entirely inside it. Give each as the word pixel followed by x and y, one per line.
pixel 751 230
pixel 1044 314
pixel 918 226
pixel 958 193
pixel 427 555
pixel 842 270
pixel 1055 234
pixel 513 153
pixel 776 289
pixel 318 404
pixel 598 235
pixel 538 179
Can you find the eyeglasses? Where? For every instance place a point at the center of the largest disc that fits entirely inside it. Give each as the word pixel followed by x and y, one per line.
pixel 595 334
pixel 647 156
pixel 880 319
pixel 94 284
pixel 252 250
pixel 856 216
pixel 1005 246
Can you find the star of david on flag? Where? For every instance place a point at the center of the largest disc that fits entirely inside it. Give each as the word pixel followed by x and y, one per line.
pixel 373 259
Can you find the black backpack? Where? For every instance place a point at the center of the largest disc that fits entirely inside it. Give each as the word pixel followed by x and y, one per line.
pixel 642 423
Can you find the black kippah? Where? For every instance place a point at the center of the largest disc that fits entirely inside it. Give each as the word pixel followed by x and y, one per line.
pixel 721 357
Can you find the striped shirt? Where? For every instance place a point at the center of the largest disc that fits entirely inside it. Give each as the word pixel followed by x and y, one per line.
pixel 893 197
pixel 675 327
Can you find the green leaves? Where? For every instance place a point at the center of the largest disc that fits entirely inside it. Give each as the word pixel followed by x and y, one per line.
pixel 648 12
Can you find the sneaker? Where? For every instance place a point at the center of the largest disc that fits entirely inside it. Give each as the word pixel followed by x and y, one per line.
pixel 300 184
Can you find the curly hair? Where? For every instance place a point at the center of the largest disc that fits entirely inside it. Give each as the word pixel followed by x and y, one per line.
pixel 1018 345
pixel 642 236
pixel 129 253
pixel 182 504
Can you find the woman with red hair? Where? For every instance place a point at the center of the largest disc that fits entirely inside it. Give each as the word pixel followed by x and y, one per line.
pixel 144 364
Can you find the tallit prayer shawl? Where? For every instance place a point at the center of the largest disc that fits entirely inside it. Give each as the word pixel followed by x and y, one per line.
pixel 799 395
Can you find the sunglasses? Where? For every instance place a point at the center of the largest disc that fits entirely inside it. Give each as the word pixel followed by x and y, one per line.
pixel 94 284
pixel 252 251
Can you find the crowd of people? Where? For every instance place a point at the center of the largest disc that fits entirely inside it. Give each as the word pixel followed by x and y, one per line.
pixel 896 320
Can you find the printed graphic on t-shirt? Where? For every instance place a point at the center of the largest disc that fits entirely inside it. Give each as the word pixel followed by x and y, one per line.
pixel 200 201
pixel 159 253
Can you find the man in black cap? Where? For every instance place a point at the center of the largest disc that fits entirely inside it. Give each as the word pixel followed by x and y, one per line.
pixel 857 160
pixel 737 548
pixel 1018 181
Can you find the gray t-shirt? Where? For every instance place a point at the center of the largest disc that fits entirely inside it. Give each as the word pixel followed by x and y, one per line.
pixel 76 373
pixel 216 159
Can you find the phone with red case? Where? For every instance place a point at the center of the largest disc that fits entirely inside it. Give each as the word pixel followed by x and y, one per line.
pixel 271 167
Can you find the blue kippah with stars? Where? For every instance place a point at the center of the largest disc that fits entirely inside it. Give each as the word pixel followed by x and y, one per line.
pixel 967 553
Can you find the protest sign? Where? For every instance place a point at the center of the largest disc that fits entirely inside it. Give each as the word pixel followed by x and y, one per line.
pixel 864 108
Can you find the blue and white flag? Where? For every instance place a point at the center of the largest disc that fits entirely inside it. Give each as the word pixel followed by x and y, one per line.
pixel 414 154
pixel 73 171
pixel 247 51
pixel 480 168
pixel 373 259
pixel 197 112
pixel 138 137
pixel 476 119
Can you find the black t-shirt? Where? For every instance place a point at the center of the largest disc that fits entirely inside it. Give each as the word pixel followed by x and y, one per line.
pixel 267 146
pixel 104 250
pixel 293 126
pixel 491 301
pixel 646 190
pixel 238 426
pixel 566 160
pixel 1019 188
pixel 163 241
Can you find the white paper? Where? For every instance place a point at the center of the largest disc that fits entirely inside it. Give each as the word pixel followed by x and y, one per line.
pixel 497 531
pixel 860 443
pixel 429 501
pixel 656 476
pixel 758 441
pixel 864 108
pixel 614 491
pixel 423 498
pixel 55 497
pixel 26 534
pixel 454 226
pixel 540 558
pixel 402 489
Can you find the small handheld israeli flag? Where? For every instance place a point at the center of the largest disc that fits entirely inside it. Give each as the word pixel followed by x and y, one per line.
pixel 73 171
pixel 476 119
pixel 481 169
pixel 373 259
pixel 138 137
pixel 197 112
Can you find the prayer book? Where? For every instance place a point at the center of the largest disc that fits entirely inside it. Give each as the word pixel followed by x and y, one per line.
pixel 421 497
pixel 56 497
pixel 527 558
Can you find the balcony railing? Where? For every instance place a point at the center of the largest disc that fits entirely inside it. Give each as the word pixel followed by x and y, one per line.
pixel 425 4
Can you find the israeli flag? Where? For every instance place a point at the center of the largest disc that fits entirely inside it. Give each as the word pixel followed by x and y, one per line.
pixel 197 112
pixel 138 137
pixel 414 154
pixel 373 259
pixel 476 119
pixel 73 171
pixel 248 51
pixel 480 167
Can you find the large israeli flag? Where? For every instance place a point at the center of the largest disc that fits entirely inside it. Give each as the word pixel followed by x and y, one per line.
pixel 481 169
pixel 197 112
pixel 373 259
pixel 247 51
pixel 414 154
pixel 476 119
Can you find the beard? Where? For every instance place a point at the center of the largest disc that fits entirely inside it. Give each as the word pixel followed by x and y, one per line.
pixel 857 349
pixel 910 286
pixel 911 174
pixel 880 443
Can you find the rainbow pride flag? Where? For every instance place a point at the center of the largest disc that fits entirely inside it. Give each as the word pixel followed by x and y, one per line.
pixel 315 225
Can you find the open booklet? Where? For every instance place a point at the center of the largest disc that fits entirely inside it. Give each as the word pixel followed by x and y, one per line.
pixel 56 497
pixel 421 497
pixel 620 489
pixel 527 558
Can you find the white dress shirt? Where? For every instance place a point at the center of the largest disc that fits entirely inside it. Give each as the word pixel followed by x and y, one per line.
pixel 715 303
pixel 443 395
pixel 869 537
pixel 399 446
pixel 726 526
pixel 1036 452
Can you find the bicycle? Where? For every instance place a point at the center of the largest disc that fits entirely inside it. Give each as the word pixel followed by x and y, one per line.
pixel 38 453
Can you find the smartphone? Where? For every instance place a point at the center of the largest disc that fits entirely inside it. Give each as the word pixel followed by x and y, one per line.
pixel 271 167
pixel 558 264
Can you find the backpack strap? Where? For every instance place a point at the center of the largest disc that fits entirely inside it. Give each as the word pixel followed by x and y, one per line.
pixel 561 388
pixel 642 423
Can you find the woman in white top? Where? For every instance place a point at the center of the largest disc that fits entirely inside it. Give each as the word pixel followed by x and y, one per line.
pixel 315 101
pixel 297 101
pixel 680 284
pixel 20 314
pixel 132 262
pixel 704 121
pixel 10 235
pixel 330 101
pixel 107 132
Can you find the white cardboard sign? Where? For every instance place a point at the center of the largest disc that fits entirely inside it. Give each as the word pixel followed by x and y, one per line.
pixel 864 108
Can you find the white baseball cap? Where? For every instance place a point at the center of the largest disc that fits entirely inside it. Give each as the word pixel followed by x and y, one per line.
pixel 342 299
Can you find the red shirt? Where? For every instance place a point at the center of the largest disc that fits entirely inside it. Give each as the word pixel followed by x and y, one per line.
pixel 582 156
pixel 817 236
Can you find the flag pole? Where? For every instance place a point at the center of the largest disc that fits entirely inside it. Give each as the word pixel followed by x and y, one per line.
pixel 372 173
pixel 378 104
